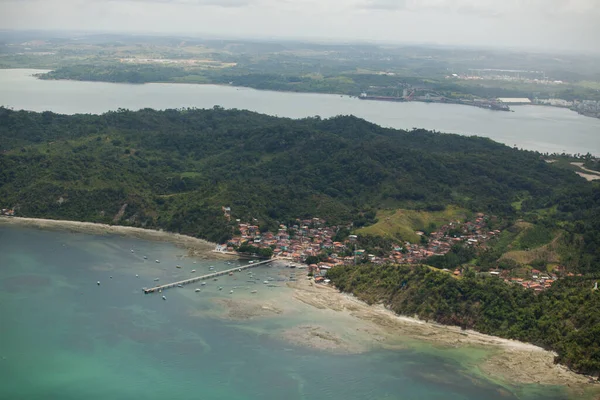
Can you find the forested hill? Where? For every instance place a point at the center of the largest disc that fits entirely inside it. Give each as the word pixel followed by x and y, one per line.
pixel 565 318
pixel 174 169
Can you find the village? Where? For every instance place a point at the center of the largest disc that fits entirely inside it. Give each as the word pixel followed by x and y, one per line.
pixel 312 242
pixel 9 212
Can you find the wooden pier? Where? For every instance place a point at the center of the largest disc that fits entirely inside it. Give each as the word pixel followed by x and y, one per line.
pixel 205 277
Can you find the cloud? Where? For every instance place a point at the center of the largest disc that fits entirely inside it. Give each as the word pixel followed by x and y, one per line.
pixel 537 24
pixel 488 8
pixel 384 5
pixel 211 3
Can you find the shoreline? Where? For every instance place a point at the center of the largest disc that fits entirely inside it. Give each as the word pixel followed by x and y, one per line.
pixel 584 114
pixel 341 323
pixel 511 361
pixel 194 245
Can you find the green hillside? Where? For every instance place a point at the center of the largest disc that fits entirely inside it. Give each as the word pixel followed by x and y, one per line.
pixel 174 169
pixel 402 224
pixel 564 318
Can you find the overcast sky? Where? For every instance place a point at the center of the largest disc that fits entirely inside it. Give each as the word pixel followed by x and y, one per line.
pixel 541 24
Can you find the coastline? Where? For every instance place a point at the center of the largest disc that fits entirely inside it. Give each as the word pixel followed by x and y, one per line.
pixel 584 114
pixel 508 360
pixel 341 323
pixel 196 247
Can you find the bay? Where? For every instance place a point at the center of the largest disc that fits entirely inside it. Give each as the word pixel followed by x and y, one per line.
pixel 64 337
pixel 545 129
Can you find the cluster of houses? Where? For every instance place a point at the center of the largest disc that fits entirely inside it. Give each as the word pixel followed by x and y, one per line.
pixel 538 280
pixel 472 233
pixel 306 238
pixel 9 212
pixel 313 237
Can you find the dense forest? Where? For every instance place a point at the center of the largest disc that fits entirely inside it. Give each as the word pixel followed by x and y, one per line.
pixel 564 318
pixel 174 169
pixel 170 165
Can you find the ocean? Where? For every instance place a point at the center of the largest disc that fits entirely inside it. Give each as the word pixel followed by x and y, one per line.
pixel 62 336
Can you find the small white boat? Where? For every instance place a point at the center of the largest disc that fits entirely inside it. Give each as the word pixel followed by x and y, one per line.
pixel 254 291
pixel 156 280
pixel 137 276
pixel 145 257
pixel 239 270
pixel 164 298
pixel 197 290
pixel 231 291
pixel 265 282
pixel 178 266
pixel 195 262
pixel 98 283
pixel 220 287
pixel 179 285
pixel 203 283
pixel 193 271
pixel 157 261
pixel 132 251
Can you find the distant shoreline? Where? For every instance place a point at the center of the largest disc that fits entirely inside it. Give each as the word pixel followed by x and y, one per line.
pixel 194 245
pixel 39 76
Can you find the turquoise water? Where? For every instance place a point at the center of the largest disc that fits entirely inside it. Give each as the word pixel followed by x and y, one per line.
pixel 64 337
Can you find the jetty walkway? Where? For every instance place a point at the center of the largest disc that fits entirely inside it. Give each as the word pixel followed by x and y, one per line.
pixel 205 277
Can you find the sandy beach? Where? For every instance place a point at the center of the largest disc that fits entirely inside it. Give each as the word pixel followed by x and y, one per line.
pixel 510 360
pixel 196 247
pixel 340 323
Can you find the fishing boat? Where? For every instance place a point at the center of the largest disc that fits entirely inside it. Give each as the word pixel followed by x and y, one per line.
pixel 180 285
pixel 197 290
pixel 254 291
pixel 193 271
pixel 98 283
pixel 203 283
pixel 231 291
pixel 157 261
pixel 164 298
pixel 220 287
pixel 178 266
pixel 156 280
pixel 145 257
pixel 266 282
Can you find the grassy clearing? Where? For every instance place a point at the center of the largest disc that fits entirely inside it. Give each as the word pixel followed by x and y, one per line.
pixel 547 253
pixel 589 84
pixel 402 224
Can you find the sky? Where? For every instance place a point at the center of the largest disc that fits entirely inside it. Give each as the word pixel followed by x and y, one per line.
pixel 533 24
